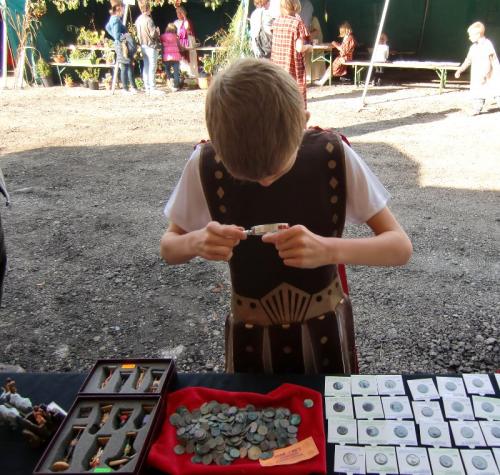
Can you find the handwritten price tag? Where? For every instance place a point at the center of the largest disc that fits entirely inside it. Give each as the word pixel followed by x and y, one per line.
pixel 304 450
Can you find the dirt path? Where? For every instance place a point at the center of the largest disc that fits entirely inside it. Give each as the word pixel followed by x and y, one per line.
pixel 89 175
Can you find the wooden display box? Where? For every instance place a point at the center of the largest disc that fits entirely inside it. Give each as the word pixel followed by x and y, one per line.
pixel 110 429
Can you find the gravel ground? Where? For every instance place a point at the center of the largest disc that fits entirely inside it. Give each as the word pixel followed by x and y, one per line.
pixel 89 174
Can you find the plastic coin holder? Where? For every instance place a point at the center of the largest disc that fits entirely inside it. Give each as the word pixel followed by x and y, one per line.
pixel 496 454
pixel 349 459
pixel 436 434
pixel 339 407
pixel 467 434
pixel 450 387
pixel 397 407
pixel 427 411
pixel 446 462
pixel 423 389
pixel 363 385
pixel 400 433
pixel 458 408
pixel 342 431
pixel 390 385
pixel 491 432
pixel 372 432
pixel 368 407
pixel 381 460
pixel 413 460
pixel 479 462
pixel 478 384
pixel 486 408
pixel 337 386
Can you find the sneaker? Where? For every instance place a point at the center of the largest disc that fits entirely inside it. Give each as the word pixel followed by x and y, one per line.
pixel 344 79
pixel 133 90
pixel 174 89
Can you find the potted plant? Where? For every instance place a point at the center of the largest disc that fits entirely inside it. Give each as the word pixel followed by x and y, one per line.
pixel 94 79
pixel 68 81
pixel 208 70
pixel 84 77
pixel 44 72
pixel 109 56
pixel 59 53
pixel 107 81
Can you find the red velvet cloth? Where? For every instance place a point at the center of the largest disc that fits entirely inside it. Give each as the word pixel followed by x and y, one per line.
pixel 162 456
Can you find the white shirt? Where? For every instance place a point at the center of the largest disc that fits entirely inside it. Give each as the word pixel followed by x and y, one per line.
pixel 188 208
pixel 381 54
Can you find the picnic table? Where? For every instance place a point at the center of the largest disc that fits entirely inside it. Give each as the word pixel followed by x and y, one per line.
pixel 441 68
pixel 322 52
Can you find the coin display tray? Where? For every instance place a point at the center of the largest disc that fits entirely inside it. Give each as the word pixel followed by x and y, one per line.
pixel 139 376
pixel 475 434
pixel 111 435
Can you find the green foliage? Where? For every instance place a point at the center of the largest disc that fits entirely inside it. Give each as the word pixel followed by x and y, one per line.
pixel 233 43
pixel 209 64
pixel 43 68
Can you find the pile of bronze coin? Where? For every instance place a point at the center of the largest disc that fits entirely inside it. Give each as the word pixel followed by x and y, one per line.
pixel 220 433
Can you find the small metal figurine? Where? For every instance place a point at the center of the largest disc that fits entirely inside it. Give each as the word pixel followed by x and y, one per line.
pixel 64 464
pixel 147 415
pixel 105 411
pixel 123 416
pixel 155 385
pixel 37 423
pixel 128 452
pixel 108 378
pixel 96 458
pixel 262 229
pixel 124 375
pixel 140 379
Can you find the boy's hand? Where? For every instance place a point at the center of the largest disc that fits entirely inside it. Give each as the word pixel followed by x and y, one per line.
pixel 457 74
pixel 215 242
pixel 299 247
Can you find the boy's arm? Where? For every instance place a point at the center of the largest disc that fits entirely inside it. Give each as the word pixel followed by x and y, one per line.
pixel 214 242
pixel 467 62
pixel 299 247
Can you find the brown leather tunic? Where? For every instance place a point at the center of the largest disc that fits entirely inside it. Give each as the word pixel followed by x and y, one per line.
pixel 285 319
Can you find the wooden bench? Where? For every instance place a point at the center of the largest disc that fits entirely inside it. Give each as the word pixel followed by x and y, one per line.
pixel 441 68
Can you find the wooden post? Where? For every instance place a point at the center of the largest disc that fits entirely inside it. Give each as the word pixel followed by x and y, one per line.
pixel 3 8
pixel 370 69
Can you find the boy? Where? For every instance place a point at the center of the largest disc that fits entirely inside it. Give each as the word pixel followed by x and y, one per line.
pixel 485 68
pixel 288 312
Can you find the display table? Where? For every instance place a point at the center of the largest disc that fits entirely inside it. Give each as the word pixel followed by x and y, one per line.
pixel 18 459
pixel 441 68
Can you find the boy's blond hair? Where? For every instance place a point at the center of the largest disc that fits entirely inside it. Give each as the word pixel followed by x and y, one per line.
pixel 171 28
pixel 255 118
pixel 290 6
pixel 477 26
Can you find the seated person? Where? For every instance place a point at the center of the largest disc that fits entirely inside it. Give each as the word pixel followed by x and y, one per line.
pixel 380 55
pixel 288 310
pixel 346 53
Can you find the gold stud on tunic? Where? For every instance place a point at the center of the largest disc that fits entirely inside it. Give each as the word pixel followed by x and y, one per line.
pixel 222 209
pixel 219 174
pixel 332 164
pixel 220 192
pixel 287 350
pixel 334 182
pixel 330 147
pixel 323 340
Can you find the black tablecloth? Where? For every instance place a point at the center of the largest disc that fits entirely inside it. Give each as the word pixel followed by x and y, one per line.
pixel 16 458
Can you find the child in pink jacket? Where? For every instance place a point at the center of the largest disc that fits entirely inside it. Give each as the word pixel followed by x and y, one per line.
pixel 172 50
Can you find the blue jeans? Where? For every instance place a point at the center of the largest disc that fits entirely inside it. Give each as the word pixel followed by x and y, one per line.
pixel 175 66
pixel 149 56
pixel 126 76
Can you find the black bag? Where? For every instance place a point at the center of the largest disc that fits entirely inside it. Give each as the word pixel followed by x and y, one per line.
pixel 264 40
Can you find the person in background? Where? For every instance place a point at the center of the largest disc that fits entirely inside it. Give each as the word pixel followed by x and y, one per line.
pixel 185 32
pixel 124 47
pixel 315 70
pixel 289 43
pixel 485 68
pixel 288 311
pixel 380 55
pixel 149 37
pixel 261 18
pixel 306 13
pixel 346 53
pixel 172 50
pixel 3 252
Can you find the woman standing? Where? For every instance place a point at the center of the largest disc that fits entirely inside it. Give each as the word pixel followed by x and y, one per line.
pixel 124 47
pixel 289 37
pixel 185 32
pixel 346 52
